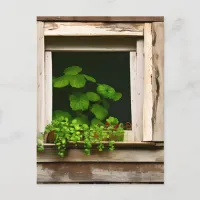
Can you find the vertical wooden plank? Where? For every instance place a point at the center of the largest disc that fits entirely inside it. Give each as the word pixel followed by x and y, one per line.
pixel 137 77
pixel 48 87
pixel 133 66
pixel 40 78
pixel 158 80
pixel 148 100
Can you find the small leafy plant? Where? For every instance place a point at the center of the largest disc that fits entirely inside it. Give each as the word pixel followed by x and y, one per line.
pixel 66 131
pixel 74 125
pixel 96 102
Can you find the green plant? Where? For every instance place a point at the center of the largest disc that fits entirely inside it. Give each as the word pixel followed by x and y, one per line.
pixel 66 131
pixel 82 101
pixel 40 143
pixel 74 125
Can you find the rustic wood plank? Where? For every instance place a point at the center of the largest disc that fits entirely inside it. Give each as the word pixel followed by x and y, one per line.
pixel 133 63
pixel 148 101
pixel 139 92
pixel 92 29
pixel 137 84
pixel 78 155
pixel 102 18
pixel 48 87
pixel 100 172
pixel 80 144
pixel 158 81
pixel 40 78
pixel 85 43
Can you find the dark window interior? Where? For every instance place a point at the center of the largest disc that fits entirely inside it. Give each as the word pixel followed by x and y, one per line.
pixel 112 68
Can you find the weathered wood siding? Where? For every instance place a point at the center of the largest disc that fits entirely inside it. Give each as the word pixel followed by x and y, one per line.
pixel 158 80
pixel 132 165
pixel 153 108
pixel 100 172
pixel 130 162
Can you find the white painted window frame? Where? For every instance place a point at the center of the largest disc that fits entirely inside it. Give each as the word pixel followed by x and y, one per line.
pixel 143 79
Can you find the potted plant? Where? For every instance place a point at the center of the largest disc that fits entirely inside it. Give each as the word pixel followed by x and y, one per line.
pixel 66 131
pixel 73 125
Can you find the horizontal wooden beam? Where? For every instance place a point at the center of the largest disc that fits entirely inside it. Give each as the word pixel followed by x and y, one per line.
pixel 101 18
pixel 100 172
pixel 105 44
pixel 92 29
pixel 116 144
pixel 78 155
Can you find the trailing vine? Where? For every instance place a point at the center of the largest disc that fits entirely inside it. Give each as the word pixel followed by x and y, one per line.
pixel 73 125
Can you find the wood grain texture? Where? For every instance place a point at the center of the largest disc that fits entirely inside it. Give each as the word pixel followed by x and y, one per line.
pixel 92 29
pixel 139 93
pixel 101 18
pixel 158 80
pixel 137 84
pixel 153 109
pixel 147 145
pixel 40 79
pixel 48 87
pixel 133 63
pixel 99 172
pixel 103 43
pixel 78 155
pixel 148 71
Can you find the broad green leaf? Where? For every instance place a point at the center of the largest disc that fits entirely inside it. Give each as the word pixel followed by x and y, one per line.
pixel 99 111
pixel 74 70
pixel 96 121
pixel 92 96
pixel 59 113
pixel 106 104
pixel 77 81
pixel 112 120
pixel 106 91
pixel 61 82
pixel 79 101
pixel 82 120
pixel 89 78
pixel 117 96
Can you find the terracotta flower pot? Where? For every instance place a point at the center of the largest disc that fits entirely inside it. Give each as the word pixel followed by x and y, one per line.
pixel 51 136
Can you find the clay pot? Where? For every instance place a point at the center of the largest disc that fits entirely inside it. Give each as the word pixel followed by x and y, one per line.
pixel 51 136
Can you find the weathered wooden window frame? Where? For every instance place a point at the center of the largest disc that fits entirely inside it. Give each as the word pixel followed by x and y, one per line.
pixel 146 70
pixel 132 162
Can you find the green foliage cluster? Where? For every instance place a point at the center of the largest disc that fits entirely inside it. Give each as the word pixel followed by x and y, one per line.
pixel 96 102
pixel 69 127
pixel 67 131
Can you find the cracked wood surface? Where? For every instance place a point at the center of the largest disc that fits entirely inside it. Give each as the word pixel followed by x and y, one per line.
pixel 92 29
pixel 153 108
pixel 158 80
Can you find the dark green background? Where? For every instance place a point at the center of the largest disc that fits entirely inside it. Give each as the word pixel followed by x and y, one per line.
pixel 110 68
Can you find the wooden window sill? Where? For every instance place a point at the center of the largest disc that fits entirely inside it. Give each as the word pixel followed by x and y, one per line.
pixel 116 144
